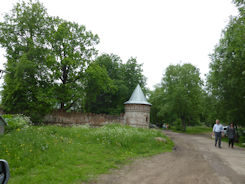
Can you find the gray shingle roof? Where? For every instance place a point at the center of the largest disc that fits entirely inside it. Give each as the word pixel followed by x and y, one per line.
pixel 137 97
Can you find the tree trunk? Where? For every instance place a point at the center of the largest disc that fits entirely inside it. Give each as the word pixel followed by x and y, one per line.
pixel 62 105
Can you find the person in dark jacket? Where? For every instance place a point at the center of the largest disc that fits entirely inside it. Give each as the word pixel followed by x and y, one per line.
pixel 231 134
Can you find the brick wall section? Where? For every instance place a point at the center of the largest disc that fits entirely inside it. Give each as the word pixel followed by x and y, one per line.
pixel 66 118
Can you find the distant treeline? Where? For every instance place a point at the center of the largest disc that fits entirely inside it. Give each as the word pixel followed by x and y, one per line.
pixel 53 64
pixel 184 99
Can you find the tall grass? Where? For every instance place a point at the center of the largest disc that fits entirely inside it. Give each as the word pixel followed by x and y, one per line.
pixel 51 154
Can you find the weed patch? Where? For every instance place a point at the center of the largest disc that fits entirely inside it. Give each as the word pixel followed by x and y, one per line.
pixel 51 154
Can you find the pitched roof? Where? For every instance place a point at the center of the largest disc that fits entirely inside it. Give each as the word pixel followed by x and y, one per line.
pixel 137 97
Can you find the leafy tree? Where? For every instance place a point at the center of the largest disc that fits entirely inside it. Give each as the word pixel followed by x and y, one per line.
pixel 226 81
pixel 124 77
pixel 209 109
pixel 179 96
pixel 113 100
pixel 132 74
pixel 112 64
pixel 22 34
pixel 98 83
pixel 47 54
pixel 72 49
pixel 158 113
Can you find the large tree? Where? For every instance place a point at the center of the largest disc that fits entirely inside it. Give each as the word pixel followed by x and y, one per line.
pixel 72 49
pixel 226 79
pixel 99 90
pixel 132 74
pixel 179 96
pixel 46 60
pixel 124 78
pixel 23 35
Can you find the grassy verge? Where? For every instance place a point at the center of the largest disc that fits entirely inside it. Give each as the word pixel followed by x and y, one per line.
pixel 194 130
pixel 51 154
pixel 225 139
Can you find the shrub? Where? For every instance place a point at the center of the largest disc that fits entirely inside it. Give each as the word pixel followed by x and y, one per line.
pixel 16 122
pixel 178 125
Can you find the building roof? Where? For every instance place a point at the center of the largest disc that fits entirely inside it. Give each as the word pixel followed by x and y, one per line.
pixel 137 97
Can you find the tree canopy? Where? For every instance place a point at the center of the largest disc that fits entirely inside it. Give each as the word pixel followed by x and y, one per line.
pixel 123 78
pixel 23 35
pixel 226 79
pixel 46 60
pixel 52 64
pixel 178 98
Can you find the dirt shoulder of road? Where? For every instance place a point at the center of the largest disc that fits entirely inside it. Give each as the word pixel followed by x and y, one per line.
pixel 194 161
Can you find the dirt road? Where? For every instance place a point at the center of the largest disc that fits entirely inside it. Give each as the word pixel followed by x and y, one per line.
pixel 195 161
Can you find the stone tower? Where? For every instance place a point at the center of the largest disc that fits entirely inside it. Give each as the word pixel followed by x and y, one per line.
pixel 137 109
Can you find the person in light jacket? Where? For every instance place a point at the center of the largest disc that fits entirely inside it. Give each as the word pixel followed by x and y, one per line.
pixel 217 130
pixel 231 132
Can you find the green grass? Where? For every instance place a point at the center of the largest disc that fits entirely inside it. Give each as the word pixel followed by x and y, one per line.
pixel 198 129
pixel 51 154
pixel 194 130
pixel 241 140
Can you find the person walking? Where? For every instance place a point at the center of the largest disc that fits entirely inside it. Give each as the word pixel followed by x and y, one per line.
pixel 231 134
pixel 217 130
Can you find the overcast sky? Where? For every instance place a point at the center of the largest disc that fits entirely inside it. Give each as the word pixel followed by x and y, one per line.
pixel 157 32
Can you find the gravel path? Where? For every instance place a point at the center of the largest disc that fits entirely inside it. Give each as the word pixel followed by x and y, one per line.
pixel 194 161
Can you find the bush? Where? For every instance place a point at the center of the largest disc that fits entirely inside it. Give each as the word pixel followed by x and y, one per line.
pixel 16 122
pixel 178 125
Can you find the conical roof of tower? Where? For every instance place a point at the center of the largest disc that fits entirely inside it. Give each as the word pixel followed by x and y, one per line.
pixel 137 97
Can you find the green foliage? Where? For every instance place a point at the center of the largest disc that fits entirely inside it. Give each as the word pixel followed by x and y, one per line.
pixel 97 83
pixel 23 93
pixel 49 66
pixel 22 34
pixel 46 61
pixel 179 96
pixel 74 154
pixel 16 122
pixel 241 6
pixel 226 81
pixel 132 75
pixel 198 129
pixel 158 111
pixel 194 129
pixel 209 109
pixel 112 92
pixel 72 49
pixel 178 125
